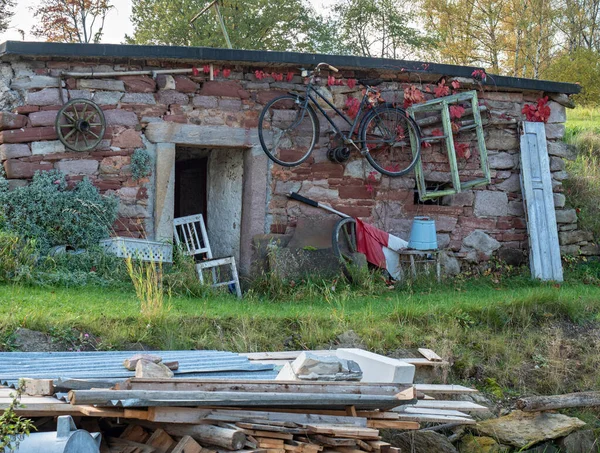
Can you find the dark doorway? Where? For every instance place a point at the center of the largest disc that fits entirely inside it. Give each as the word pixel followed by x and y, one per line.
pixel 190 187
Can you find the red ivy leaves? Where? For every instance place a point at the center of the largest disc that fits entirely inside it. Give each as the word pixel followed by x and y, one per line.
pixel 455 84
pixel 216 72
pixel 259 74
pixel 195 72
pixel 226 73
pixel 352 106
pixel 351 83
pixel 289 76
pixel 456 111
pixel 463 150
pixel 332 81
pixel 437 133
pixel 538 113
pixel 412 95
pixel 479 74
pixel 442 89
pixel 206 69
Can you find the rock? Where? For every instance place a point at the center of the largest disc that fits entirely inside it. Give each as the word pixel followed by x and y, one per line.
pixel 47 96
pixel 310 366
pixel 580 442
pixel 34 82
pixel 573 237
pixel 165 82
pixel 129 138
pixel 78 167
pixel 543 448
pixel 557 164
pixel 511 184
pixel 526 429
pixel 118 117
pixel 511 256
pixel 501 139
pixel 459 199
pixel 16 183
pixel 558 113
pixel 29 134
pixel 562 149
pixel 481 242
pixel 516 208
pixel 566 216
pixel 227 89
pixel 207 102
pixel 169 97
pixel 490 204
pixel 555 131
pixel 559 200
pixel 16 169
pixel 47 147
pixel 184 84
pixel 43 118
pixel 98 84
pixel 477 444
pixel 151 370
pixel 419 441
pixel 14 151
pixel 132 362
pixel 139 84
pixel 349 339
pixel 138 98
pixel 501 161
pixel 12 121
pixel 107 97
pixel 450 265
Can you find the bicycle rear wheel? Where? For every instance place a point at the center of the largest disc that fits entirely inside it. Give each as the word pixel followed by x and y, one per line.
pixel 391 140
pixel 287 130
pixel 343 242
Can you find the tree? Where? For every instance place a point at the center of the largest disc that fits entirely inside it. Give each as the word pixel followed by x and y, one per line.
pixel 5 14
pixel 581 66
pixel 377 28
pixel 79 21
pixel 251 24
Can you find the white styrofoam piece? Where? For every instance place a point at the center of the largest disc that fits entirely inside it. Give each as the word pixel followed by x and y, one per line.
pixel 379 368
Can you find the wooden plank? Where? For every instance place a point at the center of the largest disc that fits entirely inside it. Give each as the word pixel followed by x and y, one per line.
pixel 187 445
pixel 363 445
pixel 536 183
pixel 378 444
pixel 92 411
pixel 267 434
pixel 299 418
pixel 343 431
pixel 414 410
pixel 263 427
pixel 267 386
pixel 282 357
pixel 465 406
pixel 333 441
pixel 39 387
pixel 135 433
pixel 438 388
pixel 135 446
pixel 433 418
pixel 135 413
pixel 429 355
pixel 177 415
pixel 393 424
pixel 146 398
pixel 161 441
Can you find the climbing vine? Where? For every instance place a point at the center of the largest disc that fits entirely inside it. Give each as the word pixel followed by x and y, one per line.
pixel 13 428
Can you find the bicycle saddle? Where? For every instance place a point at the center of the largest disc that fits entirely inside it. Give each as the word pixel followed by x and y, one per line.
pixel 370 82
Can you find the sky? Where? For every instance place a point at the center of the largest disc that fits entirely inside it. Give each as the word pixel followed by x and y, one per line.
pixel 116 27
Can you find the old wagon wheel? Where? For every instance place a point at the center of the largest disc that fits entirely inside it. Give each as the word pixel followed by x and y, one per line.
pixel 80 125
pixel 343 242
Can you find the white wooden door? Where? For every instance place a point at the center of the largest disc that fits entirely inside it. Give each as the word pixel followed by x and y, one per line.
pixel 536 184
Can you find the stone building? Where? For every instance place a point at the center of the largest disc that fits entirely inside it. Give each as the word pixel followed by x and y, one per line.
pixel 202 135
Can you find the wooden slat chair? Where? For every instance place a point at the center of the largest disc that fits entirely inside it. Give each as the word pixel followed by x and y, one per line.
pixel 190 235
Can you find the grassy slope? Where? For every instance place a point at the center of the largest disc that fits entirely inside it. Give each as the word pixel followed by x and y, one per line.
pixel 517 334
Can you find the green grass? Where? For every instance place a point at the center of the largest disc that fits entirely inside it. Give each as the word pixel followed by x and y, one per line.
pixel 512 333
pixel 582 119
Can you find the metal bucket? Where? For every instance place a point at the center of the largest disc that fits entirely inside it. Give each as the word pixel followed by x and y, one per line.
pixel 422 234
pixel 66 439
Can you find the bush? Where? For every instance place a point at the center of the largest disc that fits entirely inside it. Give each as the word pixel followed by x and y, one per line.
pixel 52 214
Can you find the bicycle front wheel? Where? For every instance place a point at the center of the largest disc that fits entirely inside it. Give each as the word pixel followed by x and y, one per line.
pixel 391 141
pixel 288 130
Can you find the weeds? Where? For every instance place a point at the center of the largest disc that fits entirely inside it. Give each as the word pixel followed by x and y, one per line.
pixel 147 281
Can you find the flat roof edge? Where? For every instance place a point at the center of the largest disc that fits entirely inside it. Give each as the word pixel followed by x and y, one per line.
pixel 68 50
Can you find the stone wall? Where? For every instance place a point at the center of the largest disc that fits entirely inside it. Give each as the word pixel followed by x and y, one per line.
pixel 229 107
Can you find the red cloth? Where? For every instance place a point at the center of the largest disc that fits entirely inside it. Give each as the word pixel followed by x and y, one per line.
pixel 370 241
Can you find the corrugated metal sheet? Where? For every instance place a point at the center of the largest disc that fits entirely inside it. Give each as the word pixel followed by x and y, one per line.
pixel 109 365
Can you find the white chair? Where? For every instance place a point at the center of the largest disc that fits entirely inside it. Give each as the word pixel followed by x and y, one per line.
pixel 194 244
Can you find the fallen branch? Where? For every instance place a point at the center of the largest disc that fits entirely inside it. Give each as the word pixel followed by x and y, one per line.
pixel 546 403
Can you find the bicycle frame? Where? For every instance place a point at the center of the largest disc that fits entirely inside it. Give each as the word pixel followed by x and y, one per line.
pixel 310 90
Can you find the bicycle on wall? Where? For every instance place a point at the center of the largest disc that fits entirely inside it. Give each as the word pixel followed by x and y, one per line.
pixel 288 129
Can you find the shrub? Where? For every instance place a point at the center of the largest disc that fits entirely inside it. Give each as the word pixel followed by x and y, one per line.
pixel 141 164
pixel 48 211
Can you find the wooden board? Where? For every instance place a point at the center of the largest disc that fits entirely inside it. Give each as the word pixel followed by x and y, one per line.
pixel 282 357
pixel 536 182
pixel 465 406
pixel 430 355
pixel 440 388
pixel 187 445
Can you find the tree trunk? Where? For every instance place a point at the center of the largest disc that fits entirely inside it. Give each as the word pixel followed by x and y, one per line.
pixel 546 403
